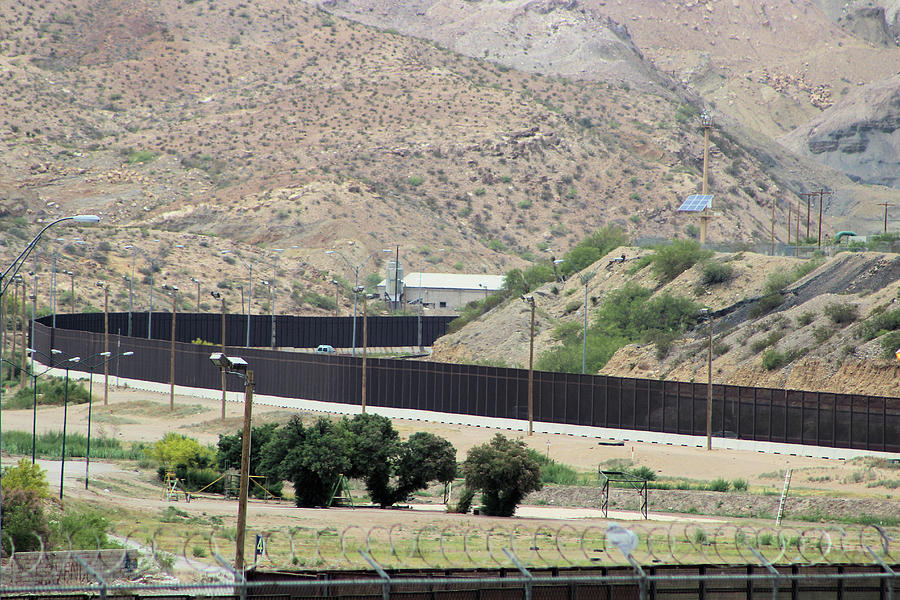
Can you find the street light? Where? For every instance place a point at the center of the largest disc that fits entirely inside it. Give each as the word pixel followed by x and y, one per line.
pixel 105 287
pixel 708 314
pixel 355 269
pixel 13 269
pixel 219 296
pixel 238 366
pixel 585 278
pixel 530 301
pixel 249 266
pixel 62 467
pixel 271 286
pixel 107 357
pixel 337 287
pixel 174 290
pixel 197 281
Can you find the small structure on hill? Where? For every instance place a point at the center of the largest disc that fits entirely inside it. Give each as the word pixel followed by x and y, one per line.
pixel 637 483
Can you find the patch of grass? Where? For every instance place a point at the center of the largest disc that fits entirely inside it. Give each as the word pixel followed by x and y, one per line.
pixel 49 445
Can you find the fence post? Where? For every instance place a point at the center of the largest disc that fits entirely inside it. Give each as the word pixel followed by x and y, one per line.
pixel 386 586
pixel 528 576
pixel 642 577
pixel 93 574
pixel 891 574
pixel 776 576
pixel 239 576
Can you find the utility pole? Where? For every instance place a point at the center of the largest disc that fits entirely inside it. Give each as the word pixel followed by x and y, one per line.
pixel 772 234
pixel 365 345
pixel 885 205
pixel 797 236
pixel 790 210
pixel 821 202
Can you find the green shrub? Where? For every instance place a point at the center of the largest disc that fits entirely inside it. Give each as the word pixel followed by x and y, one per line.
pixel 806 318
pixel 669 262
pixel 553 472
pixel 881 323
pixel 26 476
pixel 719 485
pixel 25 527
pixel 773 359
pixel 739 485
pixel 176 450
pixel 766 304
pixel 81 530
pixel 644 472
pixel 889 344
pixel 822 334
pixel 716 272
pixel 842 314
pixel 50 392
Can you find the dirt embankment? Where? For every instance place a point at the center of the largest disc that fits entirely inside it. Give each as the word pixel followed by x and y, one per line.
pixel 730 504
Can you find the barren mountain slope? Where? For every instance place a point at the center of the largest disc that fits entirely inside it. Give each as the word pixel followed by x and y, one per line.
pixel 821 354
pixel 288 127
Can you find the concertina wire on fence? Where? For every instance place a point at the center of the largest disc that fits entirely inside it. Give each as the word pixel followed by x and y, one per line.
pixel 206 555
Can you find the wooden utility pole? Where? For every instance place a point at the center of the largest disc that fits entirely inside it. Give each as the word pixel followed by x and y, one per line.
pixel 797 235
pixel 772 233
pixel 885 205
pixel 790 210
pixel 821 202
pixel 808 196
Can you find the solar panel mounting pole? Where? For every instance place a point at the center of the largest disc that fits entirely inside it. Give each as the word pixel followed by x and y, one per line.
pixel 706 122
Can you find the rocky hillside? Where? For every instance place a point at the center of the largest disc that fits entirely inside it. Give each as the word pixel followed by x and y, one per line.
pixel 815 339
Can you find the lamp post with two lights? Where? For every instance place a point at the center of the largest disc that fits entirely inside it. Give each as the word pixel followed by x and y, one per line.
pixel 107 357
pixel 219 296
pixel 238 366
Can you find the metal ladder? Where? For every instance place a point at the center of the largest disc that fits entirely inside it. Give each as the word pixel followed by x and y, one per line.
pixel 784 493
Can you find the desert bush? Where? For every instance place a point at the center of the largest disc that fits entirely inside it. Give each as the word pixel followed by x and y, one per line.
pixel 766 304
pixel 49 392
pixel 715 272
pixel 842 314
pixel 719 485
pixel 773 359
pixel 739 485
pixel 668 262
pixel 806 318
pixel 81 530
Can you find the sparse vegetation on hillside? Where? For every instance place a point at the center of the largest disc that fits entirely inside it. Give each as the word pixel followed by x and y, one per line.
pixel 626 315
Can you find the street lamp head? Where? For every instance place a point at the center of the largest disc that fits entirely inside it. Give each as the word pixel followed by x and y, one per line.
pixel 215 295
pixel 75 359
pixel 100 284
pixel 129 353
pixel 106 354
pixel 329 252
pixel 195 280
pixel 229 363
pixel 54 351
pixel 86 219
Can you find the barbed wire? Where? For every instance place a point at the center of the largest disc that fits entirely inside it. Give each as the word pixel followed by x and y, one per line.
pixel 205 555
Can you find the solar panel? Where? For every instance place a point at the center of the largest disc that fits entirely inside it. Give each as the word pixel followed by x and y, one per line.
pixel 696 203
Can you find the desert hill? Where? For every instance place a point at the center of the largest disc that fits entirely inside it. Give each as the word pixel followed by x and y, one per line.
pixel 816 350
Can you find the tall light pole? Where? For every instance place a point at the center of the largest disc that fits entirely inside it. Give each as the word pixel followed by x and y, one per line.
pixel 249 265
pixel 708 314
pixel 72 275
pixel 134 250
pixel 219 296
pixel 365 348
pixel 105 340
pixel 62 467
pixel 13 269
pixel 530 301
pixel 239 367
pixel 355 269
pixel 337 288
pixel 585 278
pixel 107 356
pixel 174 290
pixel 197 281
pixel 271 286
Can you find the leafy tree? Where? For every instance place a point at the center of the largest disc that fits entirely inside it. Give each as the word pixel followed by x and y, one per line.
pixel 504 472
pixel 176 450
pixel 375 443
pixel 311 458
pixel 668 262
pixel 424 457
pixel 229 455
